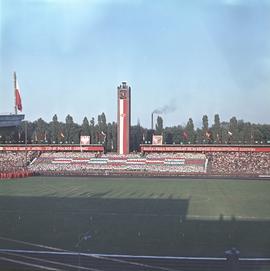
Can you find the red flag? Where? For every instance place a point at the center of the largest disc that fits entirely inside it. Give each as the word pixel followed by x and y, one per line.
pixel 18 97
pixel 185 135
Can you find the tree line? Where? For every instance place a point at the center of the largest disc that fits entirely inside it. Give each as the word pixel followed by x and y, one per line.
pixel 102 132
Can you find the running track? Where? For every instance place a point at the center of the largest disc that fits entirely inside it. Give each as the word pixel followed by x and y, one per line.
pixel 41 257
pixel 70 261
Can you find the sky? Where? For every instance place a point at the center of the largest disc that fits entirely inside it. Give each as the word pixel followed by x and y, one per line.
pixel 195 57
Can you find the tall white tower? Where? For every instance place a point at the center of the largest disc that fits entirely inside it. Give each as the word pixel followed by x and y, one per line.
pixel 123 118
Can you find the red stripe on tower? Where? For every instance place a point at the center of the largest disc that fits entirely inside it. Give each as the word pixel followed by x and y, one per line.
pixel 125 132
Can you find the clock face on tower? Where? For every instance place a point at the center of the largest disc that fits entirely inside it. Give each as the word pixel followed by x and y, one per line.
pixel 123 94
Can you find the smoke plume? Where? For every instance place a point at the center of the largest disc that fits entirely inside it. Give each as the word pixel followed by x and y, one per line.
pixel 169 108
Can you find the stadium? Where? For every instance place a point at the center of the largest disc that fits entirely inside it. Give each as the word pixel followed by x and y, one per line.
pixel 162 207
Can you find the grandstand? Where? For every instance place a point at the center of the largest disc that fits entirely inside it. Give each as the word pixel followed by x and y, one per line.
pixel 222 160
pixel 88 164
pixel 15 164
pixel 238 161
pixel 17 160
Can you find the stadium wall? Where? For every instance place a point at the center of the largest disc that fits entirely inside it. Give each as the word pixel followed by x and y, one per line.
pixel 89 148
pixel 203 148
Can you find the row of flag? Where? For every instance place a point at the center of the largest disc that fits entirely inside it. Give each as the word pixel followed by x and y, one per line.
pixel 61 134
pixel 208 134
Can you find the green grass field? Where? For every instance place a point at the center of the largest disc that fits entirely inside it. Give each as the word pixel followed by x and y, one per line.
pixel 145 216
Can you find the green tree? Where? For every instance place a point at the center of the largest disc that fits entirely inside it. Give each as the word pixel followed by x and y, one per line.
pixel 40 133
pixel 114 137
pixel 28 128
pixel 85 130
pixel 205 128
pixel 102 124
pixel 257 134
pixel 93 131
pixel 101 128
pixel 248 136
pixel 109 141
pixel 37 131
pixel 168 136
pixel 71 131
pixel 265 130
pixel 177 133
pixel 233 131
pixel 54 130
pixel 199 136
pixel 217 135
pixel 159 126
pixel 224 126
pixel 136 137
pixel 189 134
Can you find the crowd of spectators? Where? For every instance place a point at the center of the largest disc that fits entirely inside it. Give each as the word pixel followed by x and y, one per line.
pixel 186 155
pixel 88 163
pixel 10 161
pixel 14 164
pixel 68 154
pixel 239 163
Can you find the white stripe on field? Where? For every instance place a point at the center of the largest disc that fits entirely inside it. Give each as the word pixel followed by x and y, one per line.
pixel 90 255
pixel 97 256
pixel 126 255
pixel 227 217
pixel 254 259
pixel 54 262
pixel 158 257
pixel 29 264
pixel 30 244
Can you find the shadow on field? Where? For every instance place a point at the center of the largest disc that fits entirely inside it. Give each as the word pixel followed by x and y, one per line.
pixel 127 226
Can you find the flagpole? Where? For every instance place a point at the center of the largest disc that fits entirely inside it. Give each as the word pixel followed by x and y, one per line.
pixel 15 85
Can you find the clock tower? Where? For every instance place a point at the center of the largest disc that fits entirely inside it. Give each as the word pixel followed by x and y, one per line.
pixel 123 118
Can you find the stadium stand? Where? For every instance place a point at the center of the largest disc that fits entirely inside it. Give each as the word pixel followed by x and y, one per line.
pixel 153 164
pixel 78 163
pixel 239 163
pixel 14 164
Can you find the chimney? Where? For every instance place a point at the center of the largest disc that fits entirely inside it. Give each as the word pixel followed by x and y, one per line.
pixel 152 121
